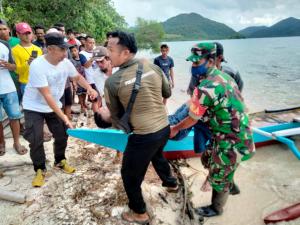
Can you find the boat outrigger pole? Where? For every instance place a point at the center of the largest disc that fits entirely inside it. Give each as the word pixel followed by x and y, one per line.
pixel 281 136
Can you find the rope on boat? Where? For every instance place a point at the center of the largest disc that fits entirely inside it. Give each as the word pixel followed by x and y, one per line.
pixel 188 209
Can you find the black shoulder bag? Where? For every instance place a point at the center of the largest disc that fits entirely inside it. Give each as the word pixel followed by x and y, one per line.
pixel 123 123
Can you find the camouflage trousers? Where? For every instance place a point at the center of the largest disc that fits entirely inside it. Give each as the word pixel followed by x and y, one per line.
pixel 220 175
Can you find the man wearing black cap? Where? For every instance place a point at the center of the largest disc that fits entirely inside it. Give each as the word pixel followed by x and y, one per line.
pixel 226 69
pixel 48 76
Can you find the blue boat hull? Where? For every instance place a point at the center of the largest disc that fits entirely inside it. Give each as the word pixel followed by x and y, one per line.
pixel 116 139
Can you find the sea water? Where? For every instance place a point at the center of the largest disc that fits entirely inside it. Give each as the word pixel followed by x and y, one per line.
pixel 269 67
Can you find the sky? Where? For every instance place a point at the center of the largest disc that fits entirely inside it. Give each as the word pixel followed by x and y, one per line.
pixel 237 14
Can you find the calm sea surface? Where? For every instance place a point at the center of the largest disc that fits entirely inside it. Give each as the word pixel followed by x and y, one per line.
pixel 270 68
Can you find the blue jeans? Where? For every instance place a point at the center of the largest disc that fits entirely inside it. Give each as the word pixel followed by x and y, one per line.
pixel 22 90
pixel 202 134
pixel 10 103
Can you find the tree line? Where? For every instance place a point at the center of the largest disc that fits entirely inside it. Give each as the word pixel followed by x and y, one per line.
pixel 94 17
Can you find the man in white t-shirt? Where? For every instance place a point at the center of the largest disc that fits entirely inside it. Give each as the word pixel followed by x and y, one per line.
pixel 48 76
pixel 91 68
pixel 9 100
pixel 104 68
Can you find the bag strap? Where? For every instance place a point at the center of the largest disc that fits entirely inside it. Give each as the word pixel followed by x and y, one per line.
pixel 135 89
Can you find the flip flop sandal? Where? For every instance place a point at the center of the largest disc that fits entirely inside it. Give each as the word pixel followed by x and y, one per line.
pixel 127 217
pixel 2 149
pixel 20 149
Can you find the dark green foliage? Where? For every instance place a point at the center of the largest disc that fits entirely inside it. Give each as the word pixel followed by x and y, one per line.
pixel 195 27
pixel 148 34
pixel 94 17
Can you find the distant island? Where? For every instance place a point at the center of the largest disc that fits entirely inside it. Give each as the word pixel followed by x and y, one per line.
pixel 284 28
pixel 193 26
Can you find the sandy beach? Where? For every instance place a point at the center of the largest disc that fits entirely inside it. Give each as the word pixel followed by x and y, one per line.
pixel 94 194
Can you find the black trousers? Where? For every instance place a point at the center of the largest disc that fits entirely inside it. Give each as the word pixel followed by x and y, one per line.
pixel 139 152
pixel 34 134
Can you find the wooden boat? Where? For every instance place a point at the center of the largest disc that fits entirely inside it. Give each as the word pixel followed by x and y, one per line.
pixel 268 129
pixel 290 213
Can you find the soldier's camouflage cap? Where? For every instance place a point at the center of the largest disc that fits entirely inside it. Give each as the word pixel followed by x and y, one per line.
pixel 201 50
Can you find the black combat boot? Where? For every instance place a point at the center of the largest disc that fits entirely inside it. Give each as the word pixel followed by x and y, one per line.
pixel 234 190
pixel 218 200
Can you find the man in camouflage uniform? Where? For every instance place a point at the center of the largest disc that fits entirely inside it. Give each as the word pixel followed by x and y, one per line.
pixel 218 102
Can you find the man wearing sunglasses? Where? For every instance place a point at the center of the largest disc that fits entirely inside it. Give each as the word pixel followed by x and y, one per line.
pixel 217 102
pixel 100 55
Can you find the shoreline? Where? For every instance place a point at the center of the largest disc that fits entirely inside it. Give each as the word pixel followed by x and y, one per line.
pixel 94 194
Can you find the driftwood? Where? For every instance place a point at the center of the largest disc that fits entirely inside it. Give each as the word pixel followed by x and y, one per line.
pixel 187 205
pixel 12 196
pixel 14 164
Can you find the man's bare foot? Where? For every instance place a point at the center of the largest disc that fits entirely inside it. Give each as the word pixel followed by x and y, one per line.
pixel 20 149
pixel 2 149
pixel 118 158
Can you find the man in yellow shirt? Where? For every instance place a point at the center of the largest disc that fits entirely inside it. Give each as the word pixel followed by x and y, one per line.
pixel 24 53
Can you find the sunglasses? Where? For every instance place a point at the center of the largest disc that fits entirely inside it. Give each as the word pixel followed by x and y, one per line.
pixel 196 51
pixel 26 33
pixel 100 61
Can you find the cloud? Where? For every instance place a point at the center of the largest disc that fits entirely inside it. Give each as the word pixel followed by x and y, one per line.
pixel 237 14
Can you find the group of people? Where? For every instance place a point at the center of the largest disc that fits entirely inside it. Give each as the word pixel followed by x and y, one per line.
pixel 215 107
pixel 38 78
pixel 215 110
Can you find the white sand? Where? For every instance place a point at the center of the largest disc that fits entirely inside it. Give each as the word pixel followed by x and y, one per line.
pixel 268 182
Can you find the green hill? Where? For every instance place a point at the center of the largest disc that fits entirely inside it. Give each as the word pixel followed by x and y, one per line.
pixel 194 27
pixel 250 30
pixel 284 28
